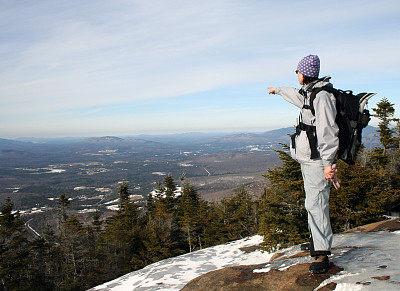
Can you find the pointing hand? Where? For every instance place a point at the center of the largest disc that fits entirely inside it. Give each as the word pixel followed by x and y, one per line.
pixel 271 90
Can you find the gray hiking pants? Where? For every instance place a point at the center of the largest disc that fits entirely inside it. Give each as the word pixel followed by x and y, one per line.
pixel 317 190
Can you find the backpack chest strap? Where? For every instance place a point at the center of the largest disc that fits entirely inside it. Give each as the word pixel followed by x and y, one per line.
pixel 311 132
pixel 309 107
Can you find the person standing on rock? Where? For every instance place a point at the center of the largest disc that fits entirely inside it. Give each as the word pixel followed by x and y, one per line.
pixel 314 146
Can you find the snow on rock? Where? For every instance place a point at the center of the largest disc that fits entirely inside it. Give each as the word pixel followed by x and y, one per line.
pixel 370 261
pixel 174 273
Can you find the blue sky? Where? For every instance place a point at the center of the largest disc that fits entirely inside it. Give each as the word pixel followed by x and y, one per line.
pixel 126 67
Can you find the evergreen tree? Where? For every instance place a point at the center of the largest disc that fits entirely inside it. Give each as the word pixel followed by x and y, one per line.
pixel 41 274
pixel 213 228
pixel 14 250
pixel 162 235
pixel 170 192
pixel 97 272
pixel 62 208
pixel 365 195
pixel 369 189
pixel 150 203
pixel 97 223
pixel 385 112
pixel 188 215
pixel 348 205
pixel 240 215
pixel 122 236
pixel 397 132
pixel 124 194
pixel 48 258
pixel 283 218
pixel 386 160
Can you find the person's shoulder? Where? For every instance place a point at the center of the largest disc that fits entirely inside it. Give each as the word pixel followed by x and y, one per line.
pixel 323 96
pixel 323 82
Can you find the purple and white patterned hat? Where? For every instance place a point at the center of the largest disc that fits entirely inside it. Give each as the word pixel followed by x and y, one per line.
pixel 309 66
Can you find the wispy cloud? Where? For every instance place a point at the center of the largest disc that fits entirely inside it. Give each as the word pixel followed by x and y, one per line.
pixel 60 56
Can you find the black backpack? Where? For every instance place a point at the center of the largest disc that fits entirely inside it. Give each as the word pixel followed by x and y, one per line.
pixel 351 118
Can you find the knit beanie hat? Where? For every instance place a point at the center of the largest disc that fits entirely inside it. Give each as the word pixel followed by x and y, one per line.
pixel 309 66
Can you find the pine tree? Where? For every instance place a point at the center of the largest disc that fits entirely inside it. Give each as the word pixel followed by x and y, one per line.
pixel 348 204
pixel 187 212
pixel 123 237
pixel 97 222
pixel 214 230
pixel 386 160
pixel 74 244
pixel 41 276
pixel 96 268
pixel 240 214
pixel 150 203
pixel 170 192
pixel 48 259
pixel 385 112
pixel 283 218
pixel 370 189
pixel 62 208
pixel 163 237
pixel 124 194
pixel 397 132
pixel 365 195
pixel 14 250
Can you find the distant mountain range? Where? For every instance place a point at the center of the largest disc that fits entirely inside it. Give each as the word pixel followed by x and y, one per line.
pixel 214 142
pixel 273 136
pixel 13 144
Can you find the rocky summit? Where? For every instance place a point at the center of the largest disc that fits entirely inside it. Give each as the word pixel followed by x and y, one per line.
pixel 365 258
pixel 289 269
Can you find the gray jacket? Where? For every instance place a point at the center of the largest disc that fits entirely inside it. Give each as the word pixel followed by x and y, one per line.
pixel 324 121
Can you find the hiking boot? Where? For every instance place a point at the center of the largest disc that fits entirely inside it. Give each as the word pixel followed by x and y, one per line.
pixel 319 265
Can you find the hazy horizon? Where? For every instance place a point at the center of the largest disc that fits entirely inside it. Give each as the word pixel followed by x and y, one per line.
pixel 213 133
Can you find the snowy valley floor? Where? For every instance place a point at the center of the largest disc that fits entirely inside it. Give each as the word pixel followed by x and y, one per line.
pixel 370 261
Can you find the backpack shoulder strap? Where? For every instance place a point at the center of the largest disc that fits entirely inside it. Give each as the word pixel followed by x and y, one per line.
pixel 315 91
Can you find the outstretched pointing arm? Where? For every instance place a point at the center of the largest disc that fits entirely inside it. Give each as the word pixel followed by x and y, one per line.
pixel 291 95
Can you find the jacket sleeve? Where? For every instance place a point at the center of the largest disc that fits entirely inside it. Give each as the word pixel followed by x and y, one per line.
pixel 327 129
pixel 291 95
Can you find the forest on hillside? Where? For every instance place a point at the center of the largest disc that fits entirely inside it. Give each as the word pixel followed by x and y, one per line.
pixel 77 256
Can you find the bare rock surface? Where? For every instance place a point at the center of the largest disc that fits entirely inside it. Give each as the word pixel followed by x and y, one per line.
pixel 289 269
pixel 365 258
pixel 241 278
pixel 386 225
